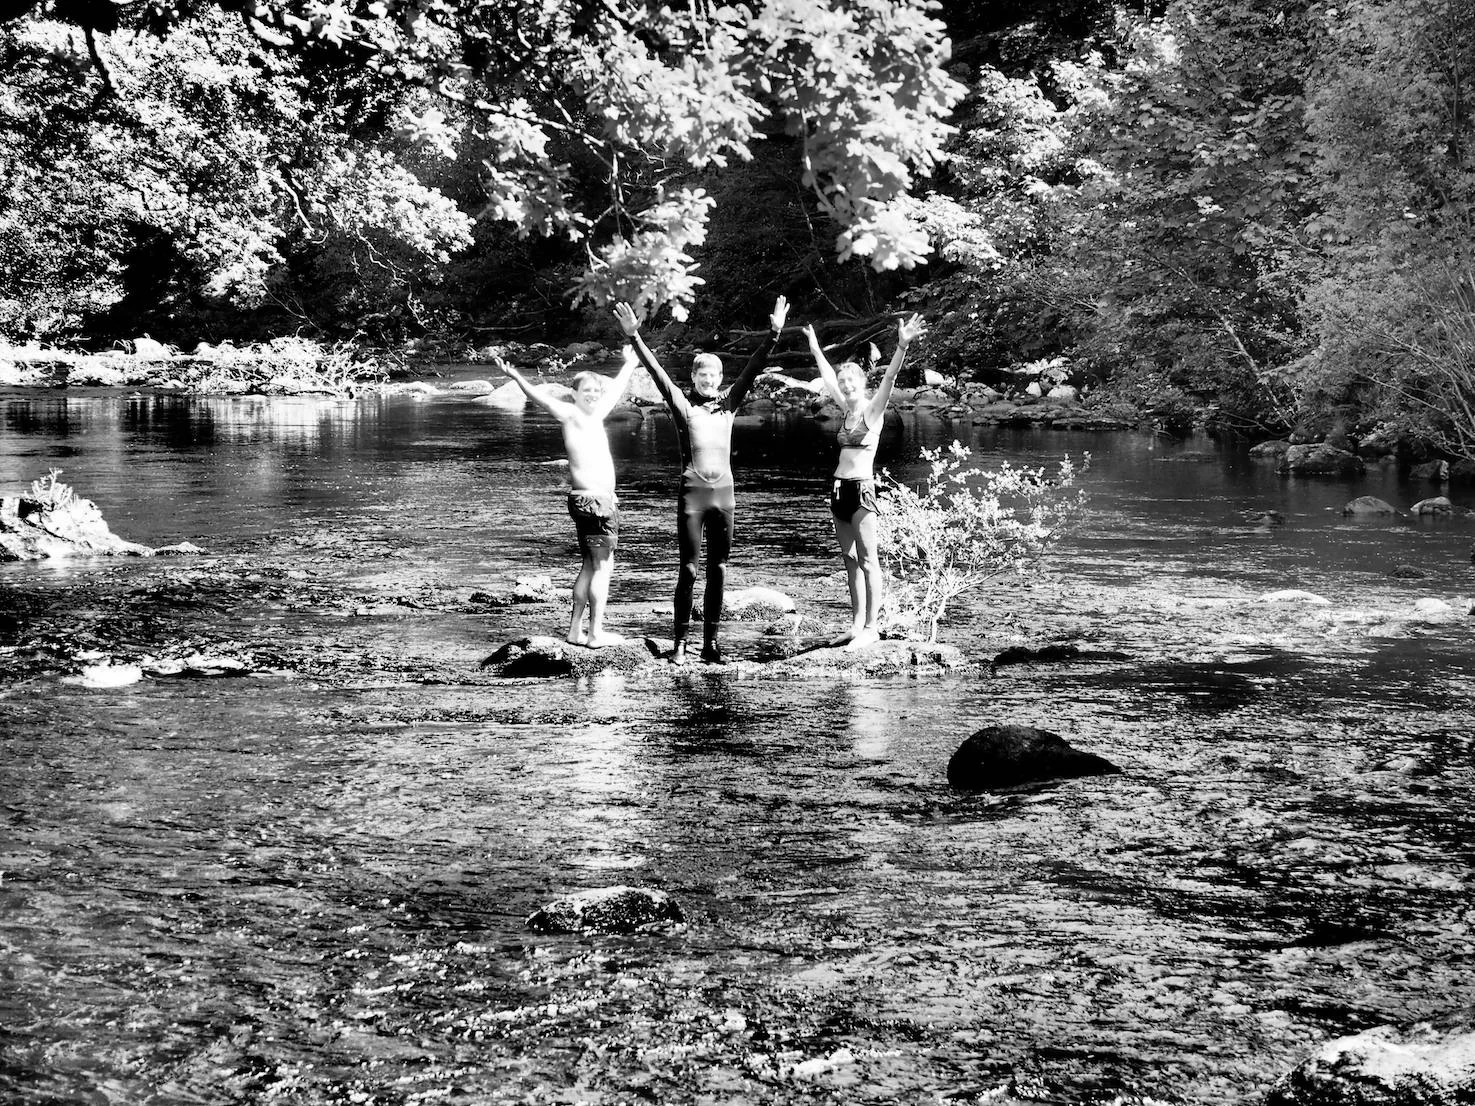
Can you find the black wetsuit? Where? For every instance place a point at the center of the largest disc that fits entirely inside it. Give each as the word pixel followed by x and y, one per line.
pixel 704 505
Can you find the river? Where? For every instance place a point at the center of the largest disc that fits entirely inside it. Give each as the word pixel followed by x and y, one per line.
pixel 310 884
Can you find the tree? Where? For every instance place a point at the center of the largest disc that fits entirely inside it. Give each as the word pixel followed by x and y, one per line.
pixel 1391 288
pixel 657 96
pixel 214 172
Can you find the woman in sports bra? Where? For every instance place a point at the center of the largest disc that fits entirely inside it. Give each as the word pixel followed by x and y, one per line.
pixel 853 489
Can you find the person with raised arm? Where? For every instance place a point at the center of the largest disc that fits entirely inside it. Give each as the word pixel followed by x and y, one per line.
pixel 706 500
pixel 853 487
pixel 591 499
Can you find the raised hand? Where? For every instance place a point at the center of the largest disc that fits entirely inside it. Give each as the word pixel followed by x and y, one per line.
pixel 625 316
pixel 909 329
pixel 809 333
pixel 780 313
pixel 502 366
pixel 630 359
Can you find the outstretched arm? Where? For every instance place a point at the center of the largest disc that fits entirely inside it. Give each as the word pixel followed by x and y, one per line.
pixel 739 390
pixel 625 316
pixel 614 391
pixel 557 408
pixel 826 370
pixel 906 331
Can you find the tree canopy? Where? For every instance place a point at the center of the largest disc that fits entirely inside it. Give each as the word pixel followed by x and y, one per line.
pixel 595 122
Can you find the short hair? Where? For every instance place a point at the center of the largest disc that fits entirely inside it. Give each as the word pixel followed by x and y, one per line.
pixel 584 375
pixel 850 367
pixel 706 361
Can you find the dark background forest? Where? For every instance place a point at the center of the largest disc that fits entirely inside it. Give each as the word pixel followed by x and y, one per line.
pixel 1253 214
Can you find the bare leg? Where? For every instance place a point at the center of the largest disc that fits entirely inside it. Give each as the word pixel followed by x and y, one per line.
pixel 604 569
pixel 581 599
pixel 870 575
pixel 846 535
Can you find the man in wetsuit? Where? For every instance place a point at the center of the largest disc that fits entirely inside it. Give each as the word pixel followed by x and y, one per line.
pixel 705 502
pixel 591 498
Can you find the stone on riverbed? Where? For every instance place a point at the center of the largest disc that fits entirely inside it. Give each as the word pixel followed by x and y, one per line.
pixel 1006 756
pixel 756 605
pixel 606 910
pixel 1427 1064
pixel 551 656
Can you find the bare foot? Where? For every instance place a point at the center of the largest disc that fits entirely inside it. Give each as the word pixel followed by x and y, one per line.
pixel 576 637
pixel 863 640
pixel 843 639
pixel 602 638
pixel 678 654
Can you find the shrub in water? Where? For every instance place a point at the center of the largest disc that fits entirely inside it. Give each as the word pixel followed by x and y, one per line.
pixel 965 526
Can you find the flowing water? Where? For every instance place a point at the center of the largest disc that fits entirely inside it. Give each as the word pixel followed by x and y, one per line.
pixel 310 884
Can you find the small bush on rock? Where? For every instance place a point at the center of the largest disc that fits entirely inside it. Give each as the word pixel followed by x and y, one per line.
pixel 964 527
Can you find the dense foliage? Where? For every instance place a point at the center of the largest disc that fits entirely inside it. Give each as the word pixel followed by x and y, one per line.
pixel 1258 214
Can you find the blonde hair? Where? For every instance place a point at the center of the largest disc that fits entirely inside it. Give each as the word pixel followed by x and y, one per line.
pixel 586 375
pixel 706 361
pixel 850 367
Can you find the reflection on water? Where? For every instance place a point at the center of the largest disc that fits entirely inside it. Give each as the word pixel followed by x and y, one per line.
pixel 287 888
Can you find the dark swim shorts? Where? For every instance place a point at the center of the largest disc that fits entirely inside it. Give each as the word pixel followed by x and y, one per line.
pixel 850 496
pixel 596 518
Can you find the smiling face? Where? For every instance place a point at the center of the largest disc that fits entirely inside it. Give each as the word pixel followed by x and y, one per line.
pixel 852 381
pixel 706 375
pixel 588 390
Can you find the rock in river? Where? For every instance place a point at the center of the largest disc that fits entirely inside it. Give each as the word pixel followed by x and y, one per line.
pixel 54 522
pixel 1428 1064
pixel 550 656
pixel 1006 756
pixel 1368 505
pixel 1320 460
pixel 606 910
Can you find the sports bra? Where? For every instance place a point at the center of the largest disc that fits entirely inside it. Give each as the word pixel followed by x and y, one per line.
pixel 852 438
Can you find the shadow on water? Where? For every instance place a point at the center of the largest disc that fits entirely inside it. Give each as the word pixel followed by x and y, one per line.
pixel 311 884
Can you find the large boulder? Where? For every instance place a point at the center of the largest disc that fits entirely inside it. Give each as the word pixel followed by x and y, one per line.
pixel 1427 1064
pixel 606 910
pixel 1006 756
pixel 1320 460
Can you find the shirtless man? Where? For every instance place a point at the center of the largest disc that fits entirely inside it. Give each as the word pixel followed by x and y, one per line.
pixel 705 502
pixel 591 497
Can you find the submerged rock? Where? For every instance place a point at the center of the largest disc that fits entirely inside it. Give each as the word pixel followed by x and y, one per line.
pixel 606 910
pixel 1427 1064
pixel 1048 654
pixel 1007 756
